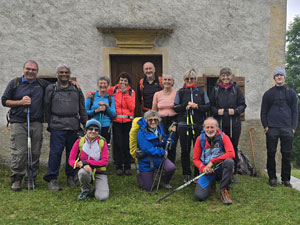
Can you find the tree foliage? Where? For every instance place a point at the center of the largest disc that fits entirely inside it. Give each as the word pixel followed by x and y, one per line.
pixel 293 75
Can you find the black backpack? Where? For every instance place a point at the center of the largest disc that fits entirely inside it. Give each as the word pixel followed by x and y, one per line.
pixel 244 166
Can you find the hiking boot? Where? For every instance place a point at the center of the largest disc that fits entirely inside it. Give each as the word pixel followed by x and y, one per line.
pixel 120 172
pixel 235 179
pixel 225 198
pixel 71 182
pixel 186 178
pixel 273 182
pixel 287 184
pixel 30 185
pixel 53 186
pixel 16 186
pixel 127 172
pixel 83 195
pixel 166 186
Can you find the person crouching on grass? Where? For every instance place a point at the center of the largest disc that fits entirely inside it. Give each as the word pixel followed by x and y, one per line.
pixel 90 155
pixel 213 147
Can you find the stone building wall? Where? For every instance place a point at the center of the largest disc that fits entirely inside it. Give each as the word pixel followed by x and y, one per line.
pixel 242 34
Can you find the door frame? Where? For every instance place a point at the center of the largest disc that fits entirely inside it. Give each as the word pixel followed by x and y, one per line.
pixel 106 52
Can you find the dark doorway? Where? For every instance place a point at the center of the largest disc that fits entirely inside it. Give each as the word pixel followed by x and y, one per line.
pixel 133 64
pixel 211 82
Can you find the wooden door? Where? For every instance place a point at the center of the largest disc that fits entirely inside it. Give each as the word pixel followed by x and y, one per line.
pixel 133 64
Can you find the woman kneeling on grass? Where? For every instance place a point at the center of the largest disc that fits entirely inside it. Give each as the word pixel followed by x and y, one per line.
pixel 151 141
pixel 90 155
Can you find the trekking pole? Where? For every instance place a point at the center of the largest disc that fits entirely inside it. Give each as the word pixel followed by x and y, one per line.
pixel 187 123
pixel 30 175
pixel 230 127
pixel 155 177
pixel 168 146
pixel 221 122
pixel 252 150
pixel 192 122
pixel 186 184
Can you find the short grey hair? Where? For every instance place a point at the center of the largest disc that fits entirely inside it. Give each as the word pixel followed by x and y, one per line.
pixel 61 65
pixel 151 113
pixel 103 78
pixel 164 75
pixel 211 118
pixel 31 61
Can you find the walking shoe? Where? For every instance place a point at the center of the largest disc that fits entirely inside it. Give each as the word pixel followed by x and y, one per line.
pixel 83 195
pixel 120 172
pixel 70 181
pixel 273 182
pixel 225 198
pixel 166 186
pixel 16 186
pixel 287 184
pixel 53 186
pixel 235 179
pixel 127 172
pixel 30 186
pixel 186 178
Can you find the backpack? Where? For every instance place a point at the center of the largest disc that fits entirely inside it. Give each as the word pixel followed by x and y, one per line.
pixel 244 167
pixel 17 83
pixel 142 83
pixel 80 145
pixel 133 146
pixel 287 95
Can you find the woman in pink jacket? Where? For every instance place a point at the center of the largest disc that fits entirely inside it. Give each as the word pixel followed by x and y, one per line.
pixel 90 155
pixel 125 103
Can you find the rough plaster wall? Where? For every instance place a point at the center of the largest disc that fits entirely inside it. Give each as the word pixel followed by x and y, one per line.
pixel 206 34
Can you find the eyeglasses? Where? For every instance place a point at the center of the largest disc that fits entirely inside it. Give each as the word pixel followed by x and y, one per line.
pixel 190 78
pixel 63 72
pixel 30 69
pixel 93 129
pixel 152 120
pixel 225 75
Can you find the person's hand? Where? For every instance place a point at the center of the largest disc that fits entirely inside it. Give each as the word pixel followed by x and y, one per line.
pixel 266 129
pixel 208 169
pixel 87 168
pixel 25 101
pixel 80 164
pixel 221 112
pixel 166 155
pixel 293 131
pixel 102 106
pixel 123 88
pixel 231 112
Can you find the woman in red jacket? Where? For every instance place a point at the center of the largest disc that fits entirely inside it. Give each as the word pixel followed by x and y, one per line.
pixel 125 103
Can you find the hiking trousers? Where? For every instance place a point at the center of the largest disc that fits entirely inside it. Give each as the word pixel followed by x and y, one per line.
pixel 59 140
pixel 286 140
pixel 224 174
pixel 19 149
pixel 101 184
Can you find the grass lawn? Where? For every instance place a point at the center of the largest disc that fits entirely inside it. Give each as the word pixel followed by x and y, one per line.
pixel 254 202
pixel 296 173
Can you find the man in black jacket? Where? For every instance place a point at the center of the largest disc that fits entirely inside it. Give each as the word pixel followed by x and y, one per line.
pixel 279 117
pixel 64 107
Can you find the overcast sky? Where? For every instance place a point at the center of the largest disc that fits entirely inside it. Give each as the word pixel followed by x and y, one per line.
pixel 293 8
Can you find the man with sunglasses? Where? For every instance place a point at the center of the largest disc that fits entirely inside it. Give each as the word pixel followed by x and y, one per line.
pixel 191 103
pixel 21 94
pixel 65 110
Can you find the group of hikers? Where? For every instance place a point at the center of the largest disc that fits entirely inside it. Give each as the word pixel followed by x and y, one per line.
pixel 169 115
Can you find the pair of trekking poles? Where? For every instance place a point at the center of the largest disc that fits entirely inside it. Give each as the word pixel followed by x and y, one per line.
pixel 30 174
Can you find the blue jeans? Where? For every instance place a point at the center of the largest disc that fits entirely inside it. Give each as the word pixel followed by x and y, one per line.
pixel 59 140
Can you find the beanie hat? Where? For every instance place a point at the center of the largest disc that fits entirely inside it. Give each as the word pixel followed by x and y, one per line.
pixel 279 70
pixel 93 122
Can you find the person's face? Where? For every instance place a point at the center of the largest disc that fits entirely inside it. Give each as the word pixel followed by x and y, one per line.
pixel 279 79
pixel 63 75
pixel 168 81
pixel 30 71
pixel 102 84
pixel 210 128
pixel 152 122
pixel 190 80
pixel 226 78
pixel 123 82
pixel 92 132
pixel 149 70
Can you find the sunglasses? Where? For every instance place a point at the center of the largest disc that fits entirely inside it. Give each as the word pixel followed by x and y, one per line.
pixel 93 129
pixel 190 78
pixel 153 120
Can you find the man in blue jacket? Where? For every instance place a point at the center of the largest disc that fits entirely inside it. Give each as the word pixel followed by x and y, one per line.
pixel 279 117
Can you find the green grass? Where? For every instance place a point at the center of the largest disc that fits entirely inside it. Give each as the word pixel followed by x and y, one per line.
pixel 296 173
pixel 254 202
